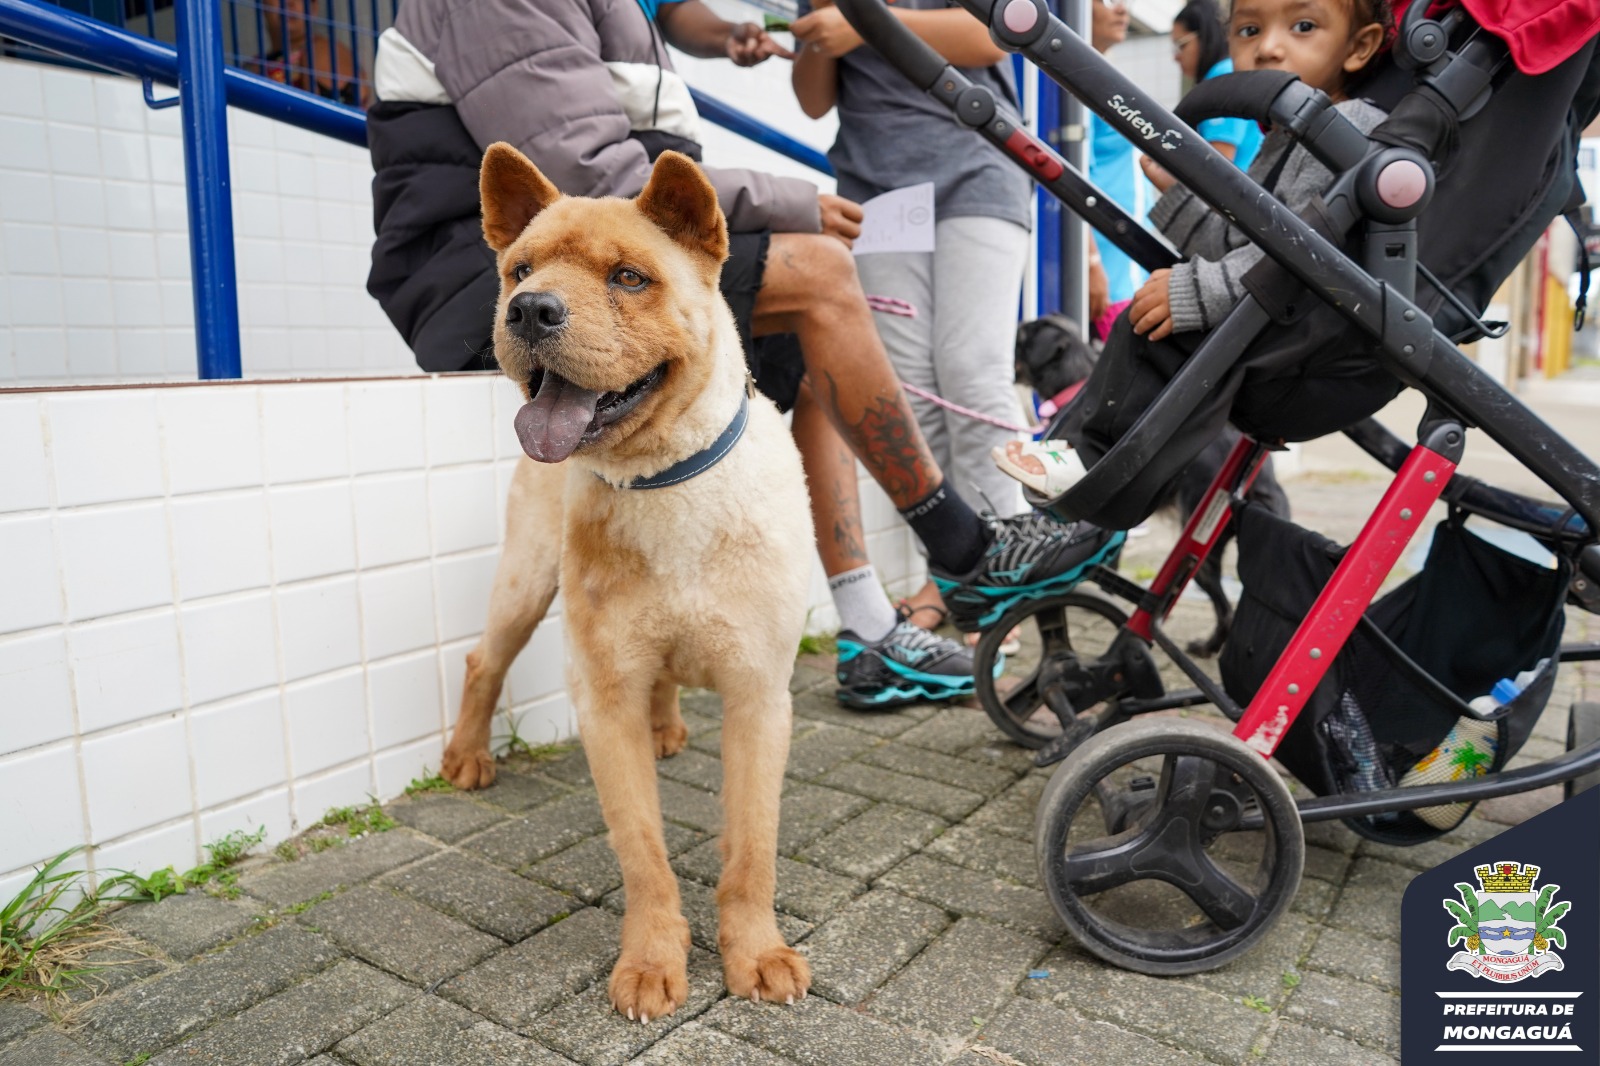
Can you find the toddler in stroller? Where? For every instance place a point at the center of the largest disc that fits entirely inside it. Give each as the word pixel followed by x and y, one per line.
pixel 1328 44
pixel 1170 846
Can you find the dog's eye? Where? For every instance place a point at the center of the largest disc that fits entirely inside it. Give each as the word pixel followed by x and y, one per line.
pixel 629 278
pixel 521 271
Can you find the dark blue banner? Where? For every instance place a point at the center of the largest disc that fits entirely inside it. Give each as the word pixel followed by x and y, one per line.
pixel 1500 947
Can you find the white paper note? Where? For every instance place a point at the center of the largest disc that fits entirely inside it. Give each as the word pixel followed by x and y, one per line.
pixel 901 220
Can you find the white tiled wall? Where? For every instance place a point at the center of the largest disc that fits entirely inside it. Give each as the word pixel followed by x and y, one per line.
pixel 227 606
pixel 94 246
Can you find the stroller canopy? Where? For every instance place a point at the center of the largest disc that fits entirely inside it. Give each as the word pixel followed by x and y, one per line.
pixel 1540 33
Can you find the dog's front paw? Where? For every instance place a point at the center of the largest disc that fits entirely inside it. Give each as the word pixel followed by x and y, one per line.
pixel 468 767
pixel 670 738
pixel 644 989
pixel 777 975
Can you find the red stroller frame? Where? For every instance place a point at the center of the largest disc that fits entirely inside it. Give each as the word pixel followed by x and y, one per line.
pixel 1210 784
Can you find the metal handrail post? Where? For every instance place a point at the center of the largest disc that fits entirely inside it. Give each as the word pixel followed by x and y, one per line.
pixel 205 165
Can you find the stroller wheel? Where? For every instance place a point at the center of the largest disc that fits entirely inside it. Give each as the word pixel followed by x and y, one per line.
pixel 1047 682
pixel 1167 846
pixel 1583 729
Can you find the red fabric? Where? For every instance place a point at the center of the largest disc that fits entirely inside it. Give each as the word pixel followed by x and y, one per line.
pixel 1540 33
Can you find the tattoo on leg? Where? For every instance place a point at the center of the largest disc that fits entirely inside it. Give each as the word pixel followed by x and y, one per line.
pixel 847 533
pixel 889 443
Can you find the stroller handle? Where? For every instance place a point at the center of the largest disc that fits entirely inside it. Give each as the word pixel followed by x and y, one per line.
pixel 1243 94
pixel 890 38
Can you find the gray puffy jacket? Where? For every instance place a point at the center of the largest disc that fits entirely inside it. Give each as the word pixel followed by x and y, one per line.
pixel 538 74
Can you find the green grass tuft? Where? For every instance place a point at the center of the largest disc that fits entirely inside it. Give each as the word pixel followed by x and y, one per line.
pixel 357 821
pixel 428 783
pixel 49 928
pixel 216 876
pixel 818 645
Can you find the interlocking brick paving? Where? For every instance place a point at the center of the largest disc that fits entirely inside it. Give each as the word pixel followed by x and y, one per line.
pixel 481 930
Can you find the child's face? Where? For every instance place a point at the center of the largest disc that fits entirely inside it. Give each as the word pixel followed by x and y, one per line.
pixel 1312 38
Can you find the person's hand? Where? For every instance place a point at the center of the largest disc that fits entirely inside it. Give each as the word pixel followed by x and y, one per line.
pixel 1151 310
pixel 1099 290
pixel 827 31
pixel 1159 175
pixel 749 44
pixel 841 218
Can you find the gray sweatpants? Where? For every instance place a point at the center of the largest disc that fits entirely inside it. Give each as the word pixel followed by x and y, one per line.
pixel 960 346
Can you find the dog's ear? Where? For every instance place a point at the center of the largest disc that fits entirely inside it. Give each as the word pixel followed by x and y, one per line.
pixel 680 200
pixel 513 192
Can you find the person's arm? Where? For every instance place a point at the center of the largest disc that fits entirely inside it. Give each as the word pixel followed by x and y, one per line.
pixel 816 81
pixel 1204 290
pixel 582 141
pixel 692 27
pixel 961 39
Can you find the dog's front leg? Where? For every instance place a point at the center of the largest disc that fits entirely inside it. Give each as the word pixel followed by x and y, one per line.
pixel 756 963
pixel 650 979
pixel 525 583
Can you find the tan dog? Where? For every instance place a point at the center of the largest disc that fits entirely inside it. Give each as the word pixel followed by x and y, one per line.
pixel 610 319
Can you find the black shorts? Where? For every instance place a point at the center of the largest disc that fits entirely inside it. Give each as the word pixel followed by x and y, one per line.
pixel 774 360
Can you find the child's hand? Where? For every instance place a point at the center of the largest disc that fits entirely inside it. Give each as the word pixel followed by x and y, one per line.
pixel 1151 310
pixel 1159 176
pixel 826 31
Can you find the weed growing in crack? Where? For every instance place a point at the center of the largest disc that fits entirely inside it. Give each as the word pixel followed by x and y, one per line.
pixel 357 821
pixel 428 783
pixel 50 928
pixel 217 875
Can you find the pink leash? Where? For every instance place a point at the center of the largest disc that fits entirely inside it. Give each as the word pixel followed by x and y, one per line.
pixel 891 305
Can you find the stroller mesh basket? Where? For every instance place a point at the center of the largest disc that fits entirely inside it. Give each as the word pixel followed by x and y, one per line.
pixel 1475 614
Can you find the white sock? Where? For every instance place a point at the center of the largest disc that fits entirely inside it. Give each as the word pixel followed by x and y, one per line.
pixel 862 604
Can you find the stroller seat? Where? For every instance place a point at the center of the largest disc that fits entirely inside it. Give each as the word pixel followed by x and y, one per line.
pixel 1299 365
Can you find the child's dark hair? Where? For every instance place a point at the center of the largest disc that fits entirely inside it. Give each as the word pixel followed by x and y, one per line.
pixel 1366 12
pixel 1203 19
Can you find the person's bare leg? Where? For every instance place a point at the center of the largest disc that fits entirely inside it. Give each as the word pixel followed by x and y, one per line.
pixel 809 288
pixel 831 480
pixel 925 606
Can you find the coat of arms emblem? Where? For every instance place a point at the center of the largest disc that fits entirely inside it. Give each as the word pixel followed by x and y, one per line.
pixel 1506 928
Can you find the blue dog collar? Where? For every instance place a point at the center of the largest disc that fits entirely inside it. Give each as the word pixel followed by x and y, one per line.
pixel 702 460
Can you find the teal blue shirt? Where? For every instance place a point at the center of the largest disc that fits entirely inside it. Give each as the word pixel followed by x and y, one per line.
pixel 1244 135
pixel 1114 167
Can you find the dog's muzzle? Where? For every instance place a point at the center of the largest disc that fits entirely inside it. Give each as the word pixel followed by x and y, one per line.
pixel 533 316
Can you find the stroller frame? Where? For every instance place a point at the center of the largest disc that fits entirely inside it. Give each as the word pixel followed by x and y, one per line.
pixel 1378 298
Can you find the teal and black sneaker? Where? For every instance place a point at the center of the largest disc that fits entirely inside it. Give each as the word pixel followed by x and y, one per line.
pixel 1031 556
pixel 909 665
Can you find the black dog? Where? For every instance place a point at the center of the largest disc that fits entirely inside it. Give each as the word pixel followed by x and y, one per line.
pixel 1053 358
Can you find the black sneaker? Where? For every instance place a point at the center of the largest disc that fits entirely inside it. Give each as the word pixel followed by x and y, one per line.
pixel 1031 557
pixel 909 665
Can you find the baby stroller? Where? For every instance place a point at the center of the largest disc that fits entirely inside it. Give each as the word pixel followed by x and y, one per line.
pixel 1168 846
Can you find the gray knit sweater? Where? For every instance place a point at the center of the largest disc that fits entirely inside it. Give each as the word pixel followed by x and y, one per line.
pixel 1206 287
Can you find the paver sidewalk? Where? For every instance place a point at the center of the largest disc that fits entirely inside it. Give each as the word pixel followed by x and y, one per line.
pixel 482 929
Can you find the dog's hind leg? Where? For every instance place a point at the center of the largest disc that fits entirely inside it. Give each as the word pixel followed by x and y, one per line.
pixel 524 584
pixel 666 720
pixel 650 979
pixel 756 963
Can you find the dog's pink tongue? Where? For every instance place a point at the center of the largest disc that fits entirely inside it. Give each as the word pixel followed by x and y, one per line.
pixel 552 423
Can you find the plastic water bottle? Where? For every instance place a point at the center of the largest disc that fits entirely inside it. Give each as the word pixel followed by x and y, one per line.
pixel 1466 751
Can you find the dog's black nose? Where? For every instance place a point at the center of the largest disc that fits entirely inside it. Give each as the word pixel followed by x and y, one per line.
pixel 534 315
